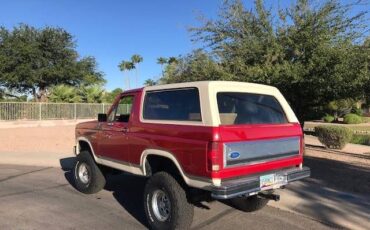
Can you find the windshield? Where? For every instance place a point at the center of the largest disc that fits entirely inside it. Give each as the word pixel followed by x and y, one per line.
pixel 248 108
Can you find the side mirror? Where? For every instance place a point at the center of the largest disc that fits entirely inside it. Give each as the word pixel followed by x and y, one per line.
pixel 102 117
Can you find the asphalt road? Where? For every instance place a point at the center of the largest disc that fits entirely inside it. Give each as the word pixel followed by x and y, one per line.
pixel 43 198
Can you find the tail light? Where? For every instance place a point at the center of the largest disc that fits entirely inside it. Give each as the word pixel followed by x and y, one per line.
pixel 213 157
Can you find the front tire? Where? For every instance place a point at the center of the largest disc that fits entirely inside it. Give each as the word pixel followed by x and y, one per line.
pixel 249 204
pixel 165 203
pixel 89 178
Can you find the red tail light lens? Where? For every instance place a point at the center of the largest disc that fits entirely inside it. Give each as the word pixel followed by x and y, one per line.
pixel 213 157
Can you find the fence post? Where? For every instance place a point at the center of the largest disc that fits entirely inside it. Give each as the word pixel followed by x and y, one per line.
pixel 103 108
pixel 75 109
pixel 40 104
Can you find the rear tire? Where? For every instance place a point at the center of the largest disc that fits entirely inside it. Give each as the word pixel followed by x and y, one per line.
pixel 249 204
pixel 89 178
pixel 165 203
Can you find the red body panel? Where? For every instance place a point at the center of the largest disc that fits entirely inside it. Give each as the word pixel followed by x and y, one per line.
pixel 188 143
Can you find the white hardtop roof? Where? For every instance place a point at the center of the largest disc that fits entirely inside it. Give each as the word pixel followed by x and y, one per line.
pixel 208 99
pixel 207 84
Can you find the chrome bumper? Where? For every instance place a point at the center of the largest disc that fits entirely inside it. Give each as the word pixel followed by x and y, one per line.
pixel 249 186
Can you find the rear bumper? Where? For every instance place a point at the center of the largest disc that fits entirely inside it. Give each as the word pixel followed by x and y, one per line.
pixel 248 186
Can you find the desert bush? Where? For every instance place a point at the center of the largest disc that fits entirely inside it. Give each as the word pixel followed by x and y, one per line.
pixel 352 118
pixel 335 137
pixel 328 118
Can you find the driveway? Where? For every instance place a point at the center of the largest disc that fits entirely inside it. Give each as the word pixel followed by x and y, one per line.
pixel 43 198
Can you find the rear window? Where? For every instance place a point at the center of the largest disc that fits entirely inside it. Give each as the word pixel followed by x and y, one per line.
pixel 247 108
pixel 175 105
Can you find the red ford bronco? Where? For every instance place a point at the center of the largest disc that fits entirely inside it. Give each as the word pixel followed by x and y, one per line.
pixel 225 140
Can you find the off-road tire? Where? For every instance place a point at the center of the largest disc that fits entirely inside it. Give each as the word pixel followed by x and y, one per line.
pixel 181 211
pixel 96 181
pixel 249 204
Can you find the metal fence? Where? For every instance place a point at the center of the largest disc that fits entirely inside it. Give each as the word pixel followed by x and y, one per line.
pixel 49 111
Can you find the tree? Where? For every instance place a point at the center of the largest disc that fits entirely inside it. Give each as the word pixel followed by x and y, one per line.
pixel 310 51
pixel 91 94
pixel 172 60
pixel 149 82
pixel 126 66
pixel 162 61
pixel 136 59
pixel 110 96
pixel 196 66
pixel 33 60
pixel 64 93
pixel 341 107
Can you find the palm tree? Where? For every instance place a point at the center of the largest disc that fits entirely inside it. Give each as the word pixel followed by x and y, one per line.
pixel 136 59
pixel 149 82
pixel 64 93
pixel 162 61
pixel 122 67
pixel 126 65
pixel 172 60
pixel 92 94
pixel 129 66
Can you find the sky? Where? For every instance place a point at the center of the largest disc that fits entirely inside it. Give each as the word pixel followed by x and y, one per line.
pixel 114 30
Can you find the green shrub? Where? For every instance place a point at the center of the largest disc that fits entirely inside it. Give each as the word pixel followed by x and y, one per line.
pixel 328 118
pixel 335 137
pixel 357 111
pixel 361 139
pixel 352 118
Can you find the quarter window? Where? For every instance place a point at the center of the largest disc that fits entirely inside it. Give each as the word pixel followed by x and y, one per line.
pixel 173 105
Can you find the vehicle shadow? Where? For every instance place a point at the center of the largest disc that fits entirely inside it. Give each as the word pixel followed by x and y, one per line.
pixel 127 189
pixel 67 165
pixel 336 193
pixel 340 175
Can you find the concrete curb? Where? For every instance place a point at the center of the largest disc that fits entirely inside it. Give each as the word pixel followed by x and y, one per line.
pixel 323 149
pixel 41 159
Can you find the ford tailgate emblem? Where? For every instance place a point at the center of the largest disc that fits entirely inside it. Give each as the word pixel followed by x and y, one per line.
pixel 234 155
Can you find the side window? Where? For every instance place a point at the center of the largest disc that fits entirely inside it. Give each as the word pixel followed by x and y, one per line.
pixel 122 111
pixel 173 104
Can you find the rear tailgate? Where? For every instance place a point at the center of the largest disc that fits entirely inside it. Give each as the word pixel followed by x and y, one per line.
pixel 258 148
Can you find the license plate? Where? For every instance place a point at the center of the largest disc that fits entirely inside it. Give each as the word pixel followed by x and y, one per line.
pixel 267 180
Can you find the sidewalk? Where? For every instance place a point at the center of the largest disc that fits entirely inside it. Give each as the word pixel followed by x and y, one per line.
pixel 42 159
pixel 42 123
pixel 349 148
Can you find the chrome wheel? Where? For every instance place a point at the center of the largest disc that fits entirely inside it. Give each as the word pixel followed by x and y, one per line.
pixel 83 173
pixel 161 205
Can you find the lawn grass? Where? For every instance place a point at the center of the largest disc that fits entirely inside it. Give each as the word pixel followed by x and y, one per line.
pixel 366 119
pixel 361 139
pixel 363 128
